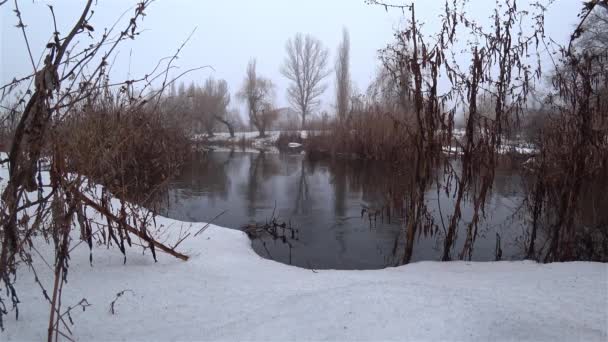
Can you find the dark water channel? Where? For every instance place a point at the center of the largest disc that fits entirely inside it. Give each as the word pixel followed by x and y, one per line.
pixel 324 201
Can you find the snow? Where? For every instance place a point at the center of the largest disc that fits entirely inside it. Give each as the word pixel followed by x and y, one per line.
pixel 227 292
pixel 524 150
pixel 271 137
pixel 504 149
pixel 243 149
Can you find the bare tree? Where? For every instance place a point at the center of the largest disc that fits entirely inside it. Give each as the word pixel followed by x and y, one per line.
pixel 221 101
pixel 306 67
pixel 594 36
pixel 234 118
pixel 257 92
pixel 200 108
pixel 389 89
pixel 394 82
pixel 211 105
pixel 343 82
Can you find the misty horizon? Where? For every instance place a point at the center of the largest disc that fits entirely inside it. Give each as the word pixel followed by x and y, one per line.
pixel 226 35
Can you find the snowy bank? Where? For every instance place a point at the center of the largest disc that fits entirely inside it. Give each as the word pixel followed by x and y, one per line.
pixel 224 137
pixel 227 292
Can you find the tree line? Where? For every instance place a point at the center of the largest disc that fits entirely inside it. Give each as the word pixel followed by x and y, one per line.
pixel 306 67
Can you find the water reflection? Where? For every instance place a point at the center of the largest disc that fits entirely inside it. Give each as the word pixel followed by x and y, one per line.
pixel 349 213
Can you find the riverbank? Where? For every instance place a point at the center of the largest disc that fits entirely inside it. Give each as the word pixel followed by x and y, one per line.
pixel 227 292
pixel 323 143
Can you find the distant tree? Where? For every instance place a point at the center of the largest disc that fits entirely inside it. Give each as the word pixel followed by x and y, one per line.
pixel 222 115
pixel 390 88
pixel 188 97
pixel 595 34
pixel 181 90
pixel 306 67
pixel 211 105
pixel 201 109
pixel 257 92
pixel 221 100
pixel 172 90
pixel 594 42
pixel 235 119
pixel 343 82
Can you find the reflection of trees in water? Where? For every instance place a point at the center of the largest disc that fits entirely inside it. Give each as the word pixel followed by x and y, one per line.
pixel 208 174
pixel 594 204
pixel 380 186
pixel 383 188
pixel 589 227
pixel 590 221
pixel 303 202
pixel 508 180
pixel 339 183
pixel 593 218
pixel 297 185
pixel 262 167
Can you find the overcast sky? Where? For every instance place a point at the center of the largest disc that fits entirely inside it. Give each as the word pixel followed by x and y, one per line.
pixel 229 33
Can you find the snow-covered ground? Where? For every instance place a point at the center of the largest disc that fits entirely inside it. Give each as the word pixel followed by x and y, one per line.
pixel 526 150
pixel 271 137
pixel 227 292
pixel 241 149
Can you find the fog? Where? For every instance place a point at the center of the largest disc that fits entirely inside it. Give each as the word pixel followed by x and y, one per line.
pixel 228 33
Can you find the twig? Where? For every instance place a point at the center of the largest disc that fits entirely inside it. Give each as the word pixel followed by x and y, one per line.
pixel 210 222
pixel 174 57
pixel 118 295
pixel 310 267
pixel 129 228
pixel 22 27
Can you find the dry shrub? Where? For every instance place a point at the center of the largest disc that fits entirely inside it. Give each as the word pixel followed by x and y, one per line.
pixel 370 134
pixel 9 117
pixel 132 152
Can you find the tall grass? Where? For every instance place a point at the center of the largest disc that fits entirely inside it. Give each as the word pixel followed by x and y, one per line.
pixel 132 152
pixel 369 134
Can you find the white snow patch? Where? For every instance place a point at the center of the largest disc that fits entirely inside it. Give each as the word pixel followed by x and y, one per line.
pixel 271 137
pixel 227 292
pixel 239 149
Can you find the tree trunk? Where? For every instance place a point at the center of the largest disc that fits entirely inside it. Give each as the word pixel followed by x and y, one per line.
pixel 228 125
pixel 304 113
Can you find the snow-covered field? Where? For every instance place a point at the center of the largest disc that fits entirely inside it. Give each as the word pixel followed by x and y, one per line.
pixel 227 292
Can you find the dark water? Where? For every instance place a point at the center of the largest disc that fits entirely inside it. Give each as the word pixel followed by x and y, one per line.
pixel 324 201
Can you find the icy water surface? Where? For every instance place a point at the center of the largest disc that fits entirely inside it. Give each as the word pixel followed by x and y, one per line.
pixel 325 200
